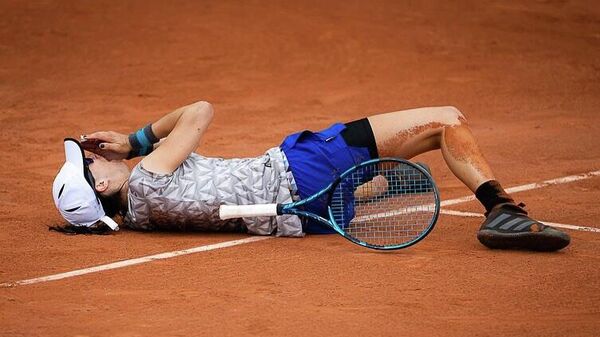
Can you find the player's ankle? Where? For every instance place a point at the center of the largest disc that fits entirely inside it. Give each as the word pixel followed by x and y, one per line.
pixel 491 194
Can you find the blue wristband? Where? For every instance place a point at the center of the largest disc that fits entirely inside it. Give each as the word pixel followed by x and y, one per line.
pixel 142 142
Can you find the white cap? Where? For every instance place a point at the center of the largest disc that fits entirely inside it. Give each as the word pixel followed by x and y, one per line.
pixel 74 195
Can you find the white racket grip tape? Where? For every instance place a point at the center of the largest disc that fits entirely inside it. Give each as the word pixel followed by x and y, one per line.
pixel 246 211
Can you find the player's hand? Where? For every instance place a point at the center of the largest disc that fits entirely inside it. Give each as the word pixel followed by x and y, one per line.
pixel 108 144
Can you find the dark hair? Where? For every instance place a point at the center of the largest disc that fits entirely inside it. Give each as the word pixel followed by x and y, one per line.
pixel 112 207
pixel 99 228
pixel 111 204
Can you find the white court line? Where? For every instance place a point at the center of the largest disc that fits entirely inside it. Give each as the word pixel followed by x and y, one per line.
pixel 468 198
pixel 551 224
pixel 527 187
pixel 150 258
pixel 131 262
pixel 401 211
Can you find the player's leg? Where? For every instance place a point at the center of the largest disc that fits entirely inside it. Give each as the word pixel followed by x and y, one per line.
pixel 411 132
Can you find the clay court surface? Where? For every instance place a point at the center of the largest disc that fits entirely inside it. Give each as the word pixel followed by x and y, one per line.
pixel 526 74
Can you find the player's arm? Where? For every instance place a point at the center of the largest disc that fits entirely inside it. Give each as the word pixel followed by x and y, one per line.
pixel 184 128
pixel 185 124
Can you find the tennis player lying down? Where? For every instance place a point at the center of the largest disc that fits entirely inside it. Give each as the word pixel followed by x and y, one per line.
pixel 174 188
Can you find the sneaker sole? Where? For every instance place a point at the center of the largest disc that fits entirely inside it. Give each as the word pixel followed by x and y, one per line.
pixel 540 241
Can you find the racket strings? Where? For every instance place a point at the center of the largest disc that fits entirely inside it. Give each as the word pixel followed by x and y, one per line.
pixel 385 204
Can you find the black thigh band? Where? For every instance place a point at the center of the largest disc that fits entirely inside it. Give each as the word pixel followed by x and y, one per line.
pixel 359 133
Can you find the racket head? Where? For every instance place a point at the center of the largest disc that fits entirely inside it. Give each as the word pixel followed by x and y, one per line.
pixel 385 203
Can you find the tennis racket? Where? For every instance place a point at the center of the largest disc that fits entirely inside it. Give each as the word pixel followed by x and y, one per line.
pixel 385 203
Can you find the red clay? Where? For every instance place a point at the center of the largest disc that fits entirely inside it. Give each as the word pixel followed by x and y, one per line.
pixel 526 74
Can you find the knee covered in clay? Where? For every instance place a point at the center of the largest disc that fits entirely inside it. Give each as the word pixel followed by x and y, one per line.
pixel 450 116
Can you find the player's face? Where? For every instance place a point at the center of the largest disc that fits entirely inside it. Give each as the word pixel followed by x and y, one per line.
pixel 105 169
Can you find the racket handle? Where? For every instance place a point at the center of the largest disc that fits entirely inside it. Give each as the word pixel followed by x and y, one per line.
pixel 247 211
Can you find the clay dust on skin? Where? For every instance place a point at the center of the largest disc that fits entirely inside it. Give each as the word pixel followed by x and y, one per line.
pixel 401 141
pixel 408 133
pixel 465 155
pixel 427 129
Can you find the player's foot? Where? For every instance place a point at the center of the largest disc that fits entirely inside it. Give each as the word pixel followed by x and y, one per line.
pixel 508 227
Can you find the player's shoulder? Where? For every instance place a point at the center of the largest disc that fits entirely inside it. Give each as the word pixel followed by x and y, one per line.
pixel 142 181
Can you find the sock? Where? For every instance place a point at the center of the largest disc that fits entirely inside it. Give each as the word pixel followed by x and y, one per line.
pixel 491 194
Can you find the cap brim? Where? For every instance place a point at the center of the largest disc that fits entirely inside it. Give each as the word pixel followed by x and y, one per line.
pixel 74 153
